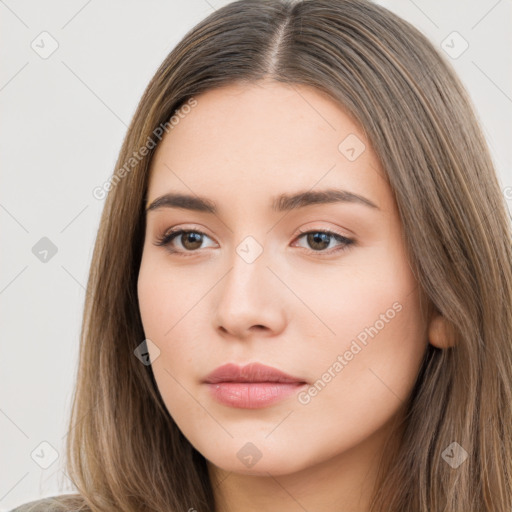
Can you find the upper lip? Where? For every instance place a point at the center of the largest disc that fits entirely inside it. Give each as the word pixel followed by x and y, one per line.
pixel 253 372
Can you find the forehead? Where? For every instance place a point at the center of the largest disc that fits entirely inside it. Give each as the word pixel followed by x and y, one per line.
pixel 247 139
pixel 281 116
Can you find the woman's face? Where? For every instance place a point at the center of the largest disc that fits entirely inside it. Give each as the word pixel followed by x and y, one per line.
pixel 247 285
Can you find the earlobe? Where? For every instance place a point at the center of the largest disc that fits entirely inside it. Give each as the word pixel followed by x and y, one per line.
pixel 440 332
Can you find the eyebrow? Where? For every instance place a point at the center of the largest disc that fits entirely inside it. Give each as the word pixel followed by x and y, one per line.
pixel 281 203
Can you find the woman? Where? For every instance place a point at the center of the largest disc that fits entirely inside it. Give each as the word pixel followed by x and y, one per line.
pixel 300 295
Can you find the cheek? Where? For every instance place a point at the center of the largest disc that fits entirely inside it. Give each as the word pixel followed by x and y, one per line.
pixel 164 297
pixel 362 380
pixel 169 304
pixel 371 357
pixel 163 312
pixel 372 361
pixel 368 288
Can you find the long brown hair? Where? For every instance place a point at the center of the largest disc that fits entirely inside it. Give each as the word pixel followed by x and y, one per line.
pixel 124 451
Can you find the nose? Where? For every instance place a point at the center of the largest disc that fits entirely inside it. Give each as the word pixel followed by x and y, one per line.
pixel 250 300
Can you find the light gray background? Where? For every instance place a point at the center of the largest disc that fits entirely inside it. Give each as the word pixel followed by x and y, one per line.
pixel 63 119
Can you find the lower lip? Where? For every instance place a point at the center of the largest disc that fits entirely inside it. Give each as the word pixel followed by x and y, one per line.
pixel 252 395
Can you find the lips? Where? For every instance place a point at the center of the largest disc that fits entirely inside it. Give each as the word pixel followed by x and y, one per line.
pixel 252 386
pixel 253 372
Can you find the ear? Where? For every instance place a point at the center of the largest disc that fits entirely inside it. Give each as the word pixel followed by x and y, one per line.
pixel 440 332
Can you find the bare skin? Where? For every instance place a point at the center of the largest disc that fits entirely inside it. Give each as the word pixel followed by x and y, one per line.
pixel 299 306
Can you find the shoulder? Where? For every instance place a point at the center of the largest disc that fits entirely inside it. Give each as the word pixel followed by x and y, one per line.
pixel 51 504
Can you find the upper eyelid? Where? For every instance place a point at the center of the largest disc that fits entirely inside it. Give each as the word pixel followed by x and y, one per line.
pixel 174 230
pixel 202 230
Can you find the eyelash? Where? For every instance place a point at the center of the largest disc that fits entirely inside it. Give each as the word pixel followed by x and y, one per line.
pixel 169 236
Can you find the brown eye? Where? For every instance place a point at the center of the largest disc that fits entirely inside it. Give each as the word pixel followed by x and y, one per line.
pixel 190 240
pixel 320 240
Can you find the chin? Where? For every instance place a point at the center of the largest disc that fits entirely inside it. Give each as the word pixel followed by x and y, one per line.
pixel 270 462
